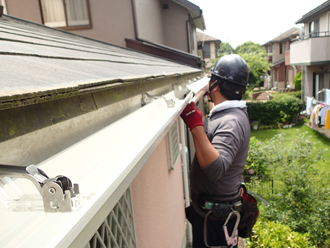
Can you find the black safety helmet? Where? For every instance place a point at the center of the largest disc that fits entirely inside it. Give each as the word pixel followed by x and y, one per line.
pixel 232 69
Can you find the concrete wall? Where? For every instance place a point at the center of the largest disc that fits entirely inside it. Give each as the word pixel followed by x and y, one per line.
pixel 158 202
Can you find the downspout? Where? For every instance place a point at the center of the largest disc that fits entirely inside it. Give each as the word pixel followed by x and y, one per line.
pixel 187 25
pixel 136 34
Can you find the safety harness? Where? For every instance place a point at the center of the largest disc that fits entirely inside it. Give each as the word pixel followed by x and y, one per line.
pixel 215 209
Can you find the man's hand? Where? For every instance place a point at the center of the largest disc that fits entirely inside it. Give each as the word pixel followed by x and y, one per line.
pixel 192 116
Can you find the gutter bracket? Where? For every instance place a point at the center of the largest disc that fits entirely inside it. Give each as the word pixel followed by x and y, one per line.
pixel 147 98
pixel 57 192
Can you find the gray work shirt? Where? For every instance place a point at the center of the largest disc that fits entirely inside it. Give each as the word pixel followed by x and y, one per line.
pixel 228 130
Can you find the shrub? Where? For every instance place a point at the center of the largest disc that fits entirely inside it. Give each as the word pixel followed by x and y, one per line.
pixel 275 111
pixel 256 159
pixel 274 234
pixel 297 81
pixel 303 202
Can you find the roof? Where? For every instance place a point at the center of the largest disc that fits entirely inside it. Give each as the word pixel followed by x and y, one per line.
pixel 204 37
pixel 195 12
pixel 291 33
pixel 39 62
pixel 314 12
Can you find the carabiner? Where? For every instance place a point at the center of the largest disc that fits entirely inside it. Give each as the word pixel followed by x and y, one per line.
pixel 232 240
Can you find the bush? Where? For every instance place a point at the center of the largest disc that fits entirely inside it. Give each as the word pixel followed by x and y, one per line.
pixel 275 111
pixel 303 202
pixel 274 234
pixel 256 160
pixel 297 81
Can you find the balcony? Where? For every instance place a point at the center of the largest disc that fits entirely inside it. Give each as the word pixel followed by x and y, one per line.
pixel 311 50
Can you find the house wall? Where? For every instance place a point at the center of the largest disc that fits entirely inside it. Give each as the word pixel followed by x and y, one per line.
pixel 276 49
pixel 112 21
pixel 309 77
pixel 159 210
pixel 175 28
pixel 27 10
pixel 150 20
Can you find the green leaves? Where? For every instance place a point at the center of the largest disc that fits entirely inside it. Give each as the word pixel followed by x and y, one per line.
pixel 275 111
pixel 254 55
pixel 303 201
pixel 276 235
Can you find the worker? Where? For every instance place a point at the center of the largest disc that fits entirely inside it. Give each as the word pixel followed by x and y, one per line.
pixel 221 145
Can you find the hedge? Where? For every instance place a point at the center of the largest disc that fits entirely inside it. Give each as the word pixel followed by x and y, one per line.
pixel 281 110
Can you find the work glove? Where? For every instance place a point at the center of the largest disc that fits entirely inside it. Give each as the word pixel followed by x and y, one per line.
pixel 192 116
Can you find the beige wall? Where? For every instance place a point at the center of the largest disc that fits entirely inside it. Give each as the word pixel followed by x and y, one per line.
pixel 175 18
pixel 158 202
pixel 112 22
pixel 27 10
pixel 276 48
pixel 150 20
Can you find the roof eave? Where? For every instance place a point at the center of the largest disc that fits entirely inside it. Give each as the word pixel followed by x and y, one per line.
pixel 194 11
pixel 313 13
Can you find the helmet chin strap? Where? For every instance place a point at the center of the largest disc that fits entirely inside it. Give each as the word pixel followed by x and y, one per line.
pixel 212 87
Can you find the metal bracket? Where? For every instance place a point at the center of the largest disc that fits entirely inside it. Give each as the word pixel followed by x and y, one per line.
pixel 146 98
pixel 57 192
pixel 180 90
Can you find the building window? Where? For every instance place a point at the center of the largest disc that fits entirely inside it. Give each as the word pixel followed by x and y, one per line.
pixel 318 85
pixel 281 48
pixel 270 49
pixel 3 3
pixel 314 28
pixel 206 51
pixel 67 14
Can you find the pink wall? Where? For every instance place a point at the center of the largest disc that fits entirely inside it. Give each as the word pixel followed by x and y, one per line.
pixel 158 202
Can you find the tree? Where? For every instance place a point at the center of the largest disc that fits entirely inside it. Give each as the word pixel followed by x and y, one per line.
pixel 254 55
pixel 225 49
pixel 249 47
pixel 297 81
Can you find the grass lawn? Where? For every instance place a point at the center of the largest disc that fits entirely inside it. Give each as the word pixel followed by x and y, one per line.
pixel 320 140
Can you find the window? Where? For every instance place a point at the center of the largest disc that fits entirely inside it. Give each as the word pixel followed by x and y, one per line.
pixel 270 49
pixel 314 28
pixel 318 85
pixel 3 3
pixel 67 14
pixel 206 50
pixel 281 48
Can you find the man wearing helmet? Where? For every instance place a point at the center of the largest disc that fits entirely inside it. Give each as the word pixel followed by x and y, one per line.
pixel 221 145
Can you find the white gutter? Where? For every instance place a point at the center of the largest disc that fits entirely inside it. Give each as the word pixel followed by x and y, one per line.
pixel 104 165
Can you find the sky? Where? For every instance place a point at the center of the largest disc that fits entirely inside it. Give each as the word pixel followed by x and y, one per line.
pixel 239 21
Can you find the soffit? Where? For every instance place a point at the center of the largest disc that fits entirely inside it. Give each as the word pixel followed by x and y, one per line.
pixel 194 11
pixel 37 60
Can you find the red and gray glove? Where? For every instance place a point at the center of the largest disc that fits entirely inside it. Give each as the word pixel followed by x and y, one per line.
pixel 192 116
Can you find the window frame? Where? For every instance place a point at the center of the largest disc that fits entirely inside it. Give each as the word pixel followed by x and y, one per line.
pixel 281 48
pixel 3 3
pixel 69 28
pixel 209 51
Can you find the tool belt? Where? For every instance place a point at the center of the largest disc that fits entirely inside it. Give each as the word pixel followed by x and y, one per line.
pixel 219 208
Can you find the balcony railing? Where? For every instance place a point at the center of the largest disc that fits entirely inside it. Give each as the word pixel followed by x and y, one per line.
pixel 315 34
